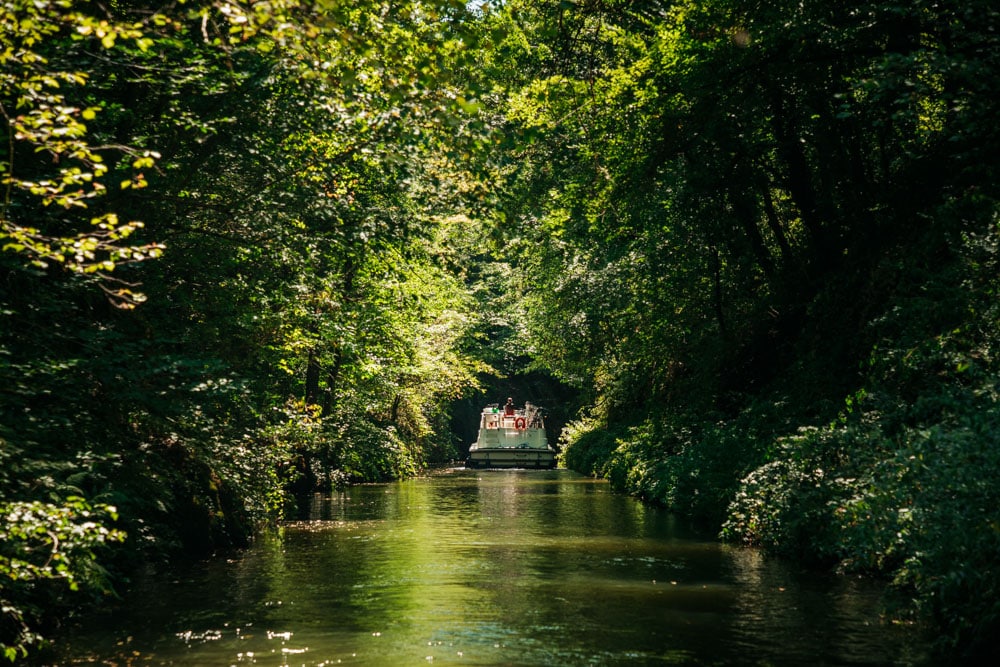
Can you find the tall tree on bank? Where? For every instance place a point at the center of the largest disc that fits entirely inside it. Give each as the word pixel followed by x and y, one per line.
pixel 299 321
pixel 734 220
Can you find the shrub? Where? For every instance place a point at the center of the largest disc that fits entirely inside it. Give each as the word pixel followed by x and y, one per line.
pixel 585 445
pixel 887 494
pixel 46 551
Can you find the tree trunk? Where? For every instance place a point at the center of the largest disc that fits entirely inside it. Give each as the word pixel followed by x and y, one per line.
pixel 774 224
pixel 312 379
pixel 799 182
pixel 720 315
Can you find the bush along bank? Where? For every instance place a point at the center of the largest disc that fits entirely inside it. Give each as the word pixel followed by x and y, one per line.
pixel 899 482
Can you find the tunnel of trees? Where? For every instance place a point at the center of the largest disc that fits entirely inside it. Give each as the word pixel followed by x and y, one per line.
pixel 747 252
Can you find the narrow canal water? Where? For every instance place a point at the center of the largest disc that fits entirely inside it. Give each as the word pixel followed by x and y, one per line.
pixel 495 568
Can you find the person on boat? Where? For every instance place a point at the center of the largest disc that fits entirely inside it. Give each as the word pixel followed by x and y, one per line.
pixel 508 410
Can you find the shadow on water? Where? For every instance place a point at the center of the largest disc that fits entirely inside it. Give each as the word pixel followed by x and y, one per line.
pixel 496 567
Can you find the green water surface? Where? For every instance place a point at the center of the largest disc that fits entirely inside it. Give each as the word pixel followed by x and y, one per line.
pixel 494 568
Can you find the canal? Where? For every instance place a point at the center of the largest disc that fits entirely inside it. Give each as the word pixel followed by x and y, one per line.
pixel 494 568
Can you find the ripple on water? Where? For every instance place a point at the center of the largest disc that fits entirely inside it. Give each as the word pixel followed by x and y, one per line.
pixel 518 568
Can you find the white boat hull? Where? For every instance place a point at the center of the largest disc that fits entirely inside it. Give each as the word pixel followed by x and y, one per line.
pixel 510 457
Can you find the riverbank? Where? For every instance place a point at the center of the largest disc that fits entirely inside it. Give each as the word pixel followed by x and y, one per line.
pixel 897 490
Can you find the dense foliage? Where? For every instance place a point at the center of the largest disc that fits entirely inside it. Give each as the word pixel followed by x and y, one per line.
pixel 255 249
pixel 299 323
pixel 764 237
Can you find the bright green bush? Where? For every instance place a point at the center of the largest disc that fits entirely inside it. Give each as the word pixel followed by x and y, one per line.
pixel 46 551
pixel 585 445
pixel 364 451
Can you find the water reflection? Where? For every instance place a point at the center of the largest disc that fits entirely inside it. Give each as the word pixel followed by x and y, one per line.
pixel 484 568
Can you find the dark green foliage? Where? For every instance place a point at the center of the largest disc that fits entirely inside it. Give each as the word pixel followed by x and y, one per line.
pixel 765 235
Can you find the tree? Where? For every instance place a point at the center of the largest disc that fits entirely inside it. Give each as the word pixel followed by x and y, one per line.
pixel 294 315
pixel 724 215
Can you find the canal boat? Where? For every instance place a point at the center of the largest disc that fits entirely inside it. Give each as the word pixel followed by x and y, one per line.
pixel 511 438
